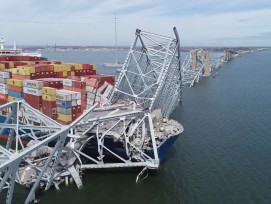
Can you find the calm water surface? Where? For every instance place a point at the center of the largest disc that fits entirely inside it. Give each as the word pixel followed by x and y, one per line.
pixel 223 156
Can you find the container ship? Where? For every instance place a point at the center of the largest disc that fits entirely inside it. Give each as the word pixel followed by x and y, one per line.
pixel 15 51
pixel 59 119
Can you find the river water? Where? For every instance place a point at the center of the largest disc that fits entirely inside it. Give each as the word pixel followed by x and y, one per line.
pixel 223 155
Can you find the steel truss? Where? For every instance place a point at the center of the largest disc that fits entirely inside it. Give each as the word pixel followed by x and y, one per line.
pixel 126 132
pixel 194 67
pixel 151 74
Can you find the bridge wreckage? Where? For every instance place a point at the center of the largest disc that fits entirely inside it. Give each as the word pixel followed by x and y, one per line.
pixel 131 129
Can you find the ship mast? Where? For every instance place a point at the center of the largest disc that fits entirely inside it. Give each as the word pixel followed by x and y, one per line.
pixel 116 41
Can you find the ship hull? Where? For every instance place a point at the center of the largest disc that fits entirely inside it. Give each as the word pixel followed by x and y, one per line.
pixel 117 147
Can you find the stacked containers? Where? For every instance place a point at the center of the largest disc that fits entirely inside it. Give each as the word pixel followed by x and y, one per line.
pixel 15 89
pixel 91 90
pixel 95 86
pixel 33 93
pixel 77 86
pixel 49 102
pixel 68 106
pixel 82 69
pixel 34 71
pixel 52 82
pixel 58 70
pixel 80 86
pixel 4 76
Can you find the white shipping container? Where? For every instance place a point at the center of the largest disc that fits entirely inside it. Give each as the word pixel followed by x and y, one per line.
pixel 88 95
pixel 90 102
pixel 3 91
pixel 75 95
pixel 108 90
pixel 63 96
pixel 67 82
pixel 33 84
pixel 3 86
pixel 92 96
pixel 98 98
pixel 3 81
pixel 76 102
pixel 4 75
pixel 89 89
pixel 66 111
pixel 32 91
pixel 102 87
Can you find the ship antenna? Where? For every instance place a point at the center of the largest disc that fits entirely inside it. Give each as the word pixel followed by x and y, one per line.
pixel 2 41
pixel 14 45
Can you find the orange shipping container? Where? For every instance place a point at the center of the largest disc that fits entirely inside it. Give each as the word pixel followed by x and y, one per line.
pixel 15 88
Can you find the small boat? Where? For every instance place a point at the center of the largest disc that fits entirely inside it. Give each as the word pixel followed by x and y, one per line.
pixel 114 65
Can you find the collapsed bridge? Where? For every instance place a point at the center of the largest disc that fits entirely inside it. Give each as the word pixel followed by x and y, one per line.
pixel 132 128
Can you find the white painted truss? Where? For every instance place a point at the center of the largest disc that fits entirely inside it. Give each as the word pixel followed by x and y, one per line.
pixel 194 67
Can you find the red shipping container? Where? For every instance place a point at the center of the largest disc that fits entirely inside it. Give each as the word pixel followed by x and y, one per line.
pixel 15 88
pixel 20 77
pixel 59 74
pixel 79 84
pixel 47 74
pixel 77 78
pixel 3 97
pixel 83 108
pixel 50 67
pixel 93 72
pixel 38 75
pixel 86 66
pixel 84 72
pixel 51 73
pixel 49 104
pixel 33 76
pixel 37 68
pixel 34 101
pixel 42 75
pixel 51 112
pixel 59 84
pixel 74 117
pixel 3 102
pixel 79 110
pixel 74 110
pixel 52 82
pixel 83 103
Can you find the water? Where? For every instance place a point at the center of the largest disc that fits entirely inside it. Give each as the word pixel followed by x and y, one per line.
pixel 97 58
pixel 223 156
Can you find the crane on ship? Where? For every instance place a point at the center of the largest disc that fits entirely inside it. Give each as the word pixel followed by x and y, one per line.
pixel 135 117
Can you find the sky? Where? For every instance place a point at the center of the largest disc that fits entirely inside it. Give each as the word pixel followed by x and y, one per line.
pixel 91 22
